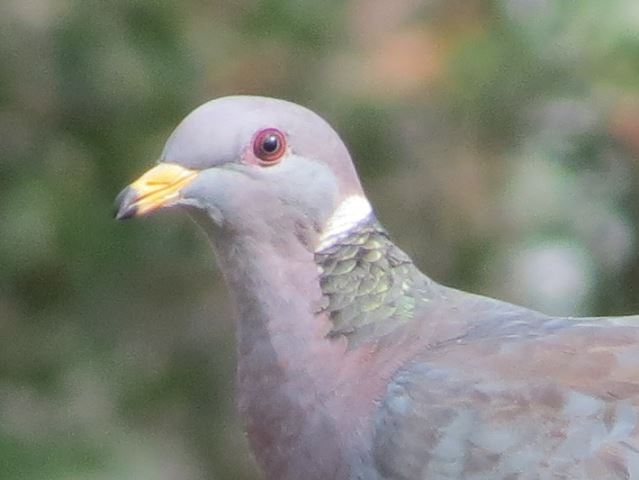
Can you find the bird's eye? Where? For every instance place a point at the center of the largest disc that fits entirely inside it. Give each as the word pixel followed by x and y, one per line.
pixel 269 146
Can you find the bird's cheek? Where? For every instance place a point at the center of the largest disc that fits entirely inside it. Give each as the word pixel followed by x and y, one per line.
pixel 208 195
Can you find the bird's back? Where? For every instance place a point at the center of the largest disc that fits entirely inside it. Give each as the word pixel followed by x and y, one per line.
pixel 518 395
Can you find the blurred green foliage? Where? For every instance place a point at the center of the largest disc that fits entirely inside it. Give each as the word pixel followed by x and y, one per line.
pixel 498 139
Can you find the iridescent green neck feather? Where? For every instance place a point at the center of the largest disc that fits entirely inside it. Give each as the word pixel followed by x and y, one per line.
pixel 369 286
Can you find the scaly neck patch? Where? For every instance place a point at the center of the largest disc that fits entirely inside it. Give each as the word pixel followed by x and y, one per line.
pixel 369 285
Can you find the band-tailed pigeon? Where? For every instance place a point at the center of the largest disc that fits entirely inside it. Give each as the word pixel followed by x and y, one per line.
pixel 355 365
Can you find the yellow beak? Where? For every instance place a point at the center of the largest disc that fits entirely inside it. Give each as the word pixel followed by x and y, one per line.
pixel 157 188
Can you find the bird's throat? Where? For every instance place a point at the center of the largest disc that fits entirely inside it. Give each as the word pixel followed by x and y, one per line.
pixel 288 369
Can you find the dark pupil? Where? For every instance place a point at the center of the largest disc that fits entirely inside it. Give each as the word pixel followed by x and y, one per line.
pixel 270 144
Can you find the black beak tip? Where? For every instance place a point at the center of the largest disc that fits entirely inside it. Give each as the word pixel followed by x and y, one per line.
pixel 124 206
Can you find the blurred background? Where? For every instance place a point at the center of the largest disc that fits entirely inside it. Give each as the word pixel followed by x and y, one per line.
pixel 499 141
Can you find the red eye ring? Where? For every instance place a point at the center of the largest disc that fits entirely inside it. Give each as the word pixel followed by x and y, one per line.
pixel 269 145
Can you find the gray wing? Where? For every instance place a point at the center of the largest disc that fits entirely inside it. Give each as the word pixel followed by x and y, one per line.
pixel 561 402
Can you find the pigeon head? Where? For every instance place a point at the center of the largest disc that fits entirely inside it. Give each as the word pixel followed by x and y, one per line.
pixel 254 165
